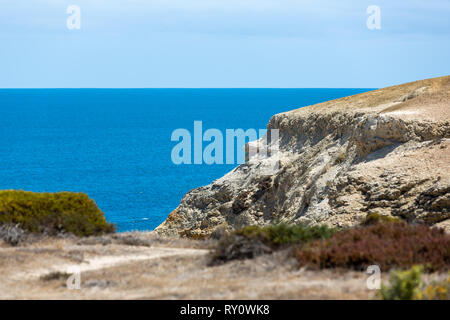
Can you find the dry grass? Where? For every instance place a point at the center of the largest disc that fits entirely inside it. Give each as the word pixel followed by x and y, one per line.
pixel 182 276
pixel 432 102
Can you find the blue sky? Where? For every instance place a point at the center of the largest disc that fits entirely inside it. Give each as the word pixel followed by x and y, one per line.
pixel 222 43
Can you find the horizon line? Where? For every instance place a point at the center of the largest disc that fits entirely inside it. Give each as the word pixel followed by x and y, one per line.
pixel 171 88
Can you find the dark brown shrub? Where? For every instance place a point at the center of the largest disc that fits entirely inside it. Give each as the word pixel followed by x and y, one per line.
pixel 388 245
pixel 238 247
pixel 55 275
pixel 252 241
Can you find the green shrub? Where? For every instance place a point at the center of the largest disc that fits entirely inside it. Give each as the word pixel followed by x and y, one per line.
pixel 251 241
pixel 53 213
pixel 389 245
pixel 404 285
pixel 373 218
pixel 408 285
pixel 340 158
pixel 285 234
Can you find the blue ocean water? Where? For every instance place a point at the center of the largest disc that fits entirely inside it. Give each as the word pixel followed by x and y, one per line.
pixel 114 144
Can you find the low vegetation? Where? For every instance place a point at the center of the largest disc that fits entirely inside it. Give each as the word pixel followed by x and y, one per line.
pixel 55 275
pixel 437 290
pixel 284 234
pixel 403 285
pixel 12 234
pixel 408 285
pixel 388 245
pixel 374 218
pixel 251 241
pixel 53 213
pixel 381 240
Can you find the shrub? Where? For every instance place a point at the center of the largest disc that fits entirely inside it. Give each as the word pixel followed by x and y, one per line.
pixel 236 247
pixel 55 275
pixel 285 234
pixel 12 234
pixel 373 218
pixel 408 285
pixel 340 158
pixel 53 213
pixel 404 285
pixel 252 241
pixel 389 245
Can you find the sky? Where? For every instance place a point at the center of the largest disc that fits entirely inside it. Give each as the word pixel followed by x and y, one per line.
pixel 222 43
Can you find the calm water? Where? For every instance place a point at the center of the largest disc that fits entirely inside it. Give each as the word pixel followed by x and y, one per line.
pixel 114 144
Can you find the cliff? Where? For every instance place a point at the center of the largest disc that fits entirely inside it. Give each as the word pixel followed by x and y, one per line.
pixel 385 151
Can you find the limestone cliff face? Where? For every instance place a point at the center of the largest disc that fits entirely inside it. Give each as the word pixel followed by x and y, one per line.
pixel 384 151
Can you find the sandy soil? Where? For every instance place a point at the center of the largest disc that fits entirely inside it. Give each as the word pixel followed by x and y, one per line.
pixel 161 269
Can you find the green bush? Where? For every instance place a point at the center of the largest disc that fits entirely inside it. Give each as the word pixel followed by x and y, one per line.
pixel 285 234
pixel 404 285
pixel 53 213
pixel 408 285
pixel 340 158
pixel 373 218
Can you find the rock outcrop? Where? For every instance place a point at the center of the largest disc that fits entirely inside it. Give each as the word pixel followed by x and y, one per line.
pixel 385 151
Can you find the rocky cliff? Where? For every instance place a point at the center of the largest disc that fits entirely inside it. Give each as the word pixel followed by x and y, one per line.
pixel 385 151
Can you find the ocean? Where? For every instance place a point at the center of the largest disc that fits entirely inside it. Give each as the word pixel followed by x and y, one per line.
pixel 115 144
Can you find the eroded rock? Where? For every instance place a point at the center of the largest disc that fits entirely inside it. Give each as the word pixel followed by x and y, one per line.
pixel 385 151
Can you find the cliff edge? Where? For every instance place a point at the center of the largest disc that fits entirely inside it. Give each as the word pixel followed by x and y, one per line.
pixel 385 151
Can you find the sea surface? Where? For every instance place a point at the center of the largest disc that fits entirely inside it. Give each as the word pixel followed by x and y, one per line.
pixel 115 144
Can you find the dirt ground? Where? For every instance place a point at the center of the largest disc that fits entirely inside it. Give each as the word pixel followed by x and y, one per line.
pixel 143 266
